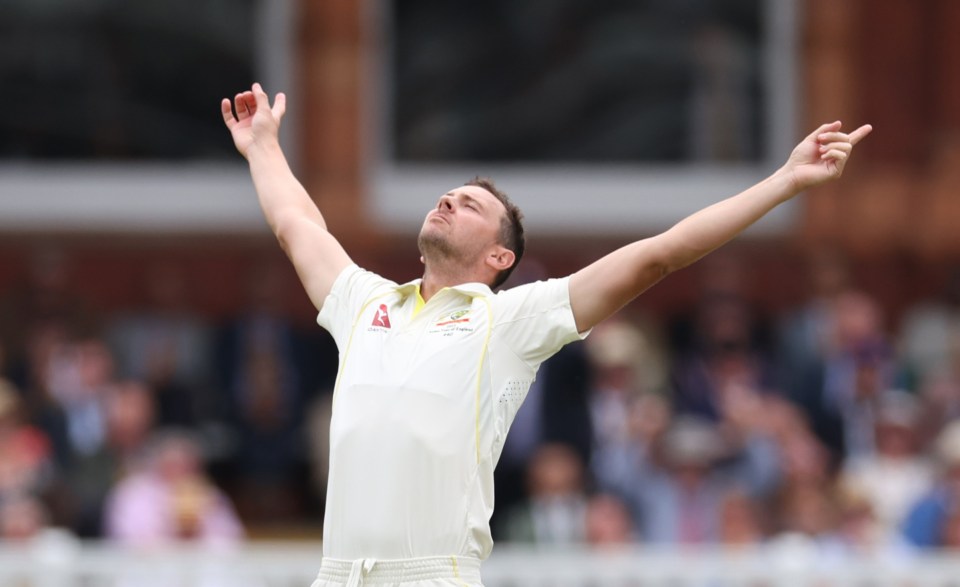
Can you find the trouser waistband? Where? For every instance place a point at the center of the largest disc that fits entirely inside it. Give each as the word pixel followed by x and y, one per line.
pixel 370 571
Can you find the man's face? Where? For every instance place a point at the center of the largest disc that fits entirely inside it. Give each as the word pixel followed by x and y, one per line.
pixel 465 223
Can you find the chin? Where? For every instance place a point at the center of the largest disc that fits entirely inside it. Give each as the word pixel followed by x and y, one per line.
pixel 433 241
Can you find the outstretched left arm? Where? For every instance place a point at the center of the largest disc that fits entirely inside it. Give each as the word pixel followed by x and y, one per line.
pixel 605 286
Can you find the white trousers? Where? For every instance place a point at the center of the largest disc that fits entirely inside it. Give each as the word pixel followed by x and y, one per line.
pixel 435 571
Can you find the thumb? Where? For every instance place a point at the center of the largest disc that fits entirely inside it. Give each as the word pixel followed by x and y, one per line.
pixel 279 105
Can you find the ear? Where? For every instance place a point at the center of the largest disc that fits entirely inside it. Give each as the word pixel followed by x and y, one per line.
pixel 422 262
pixel 500 258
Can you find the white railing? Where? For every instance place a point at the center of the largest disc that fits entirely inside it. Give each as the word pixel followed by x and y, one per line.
pixel 65 563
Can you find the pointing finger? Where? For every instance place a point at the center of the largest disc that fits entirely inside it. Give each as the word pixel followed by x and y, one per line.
pixel 857 135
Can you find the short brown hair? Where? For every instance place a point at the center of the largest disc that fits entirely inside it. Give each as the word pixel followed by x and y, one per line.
pixel 511 226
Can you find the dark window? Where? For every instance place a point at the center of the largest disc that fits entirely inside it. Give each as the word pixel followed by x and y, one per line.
pixel 577 80
pixel 120 80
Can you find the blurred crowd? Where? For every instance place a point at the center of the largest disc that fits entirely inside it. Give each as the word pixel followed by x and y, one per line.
pixel 825 425
pixel 154 424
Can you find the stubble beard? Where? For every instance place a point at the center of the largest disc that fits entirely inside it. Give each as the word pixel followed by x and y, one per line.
pixel 435 247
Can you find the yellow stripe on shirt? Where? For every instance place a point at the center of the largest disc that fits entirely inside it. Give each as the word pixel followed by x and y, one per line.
pixel 483 355
pixel 419 303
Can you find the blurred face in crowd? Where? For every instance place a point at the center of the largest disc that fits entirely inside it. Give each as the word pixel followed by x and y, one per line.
pixel 895 440
pixel 95 362
pixel 805 461
pixel 607 521
pixel 952 478
pixel 78 370
pixel 130 414
pixel 21 519
pixel 950 535
pixel 857 320
pixel 555 471
pixel 177 459
pixel 738 520
pixel 807 510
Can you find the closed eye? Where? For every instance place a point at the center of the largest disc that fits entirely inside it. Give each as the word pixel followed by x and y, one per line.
pixel 471 203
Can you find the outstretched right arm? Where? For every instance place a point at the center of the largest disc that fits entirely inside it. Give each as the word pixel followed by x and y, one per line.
pixel 295 220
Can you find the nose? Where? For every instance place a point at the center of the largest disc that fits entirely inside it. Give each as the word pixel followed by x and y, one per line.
pixel 445 203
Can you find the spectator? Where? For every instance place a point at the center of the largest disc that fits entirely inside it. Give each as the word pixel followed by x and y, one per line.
pixel 79 373
pixel 940 401
pixel 927 523
pixel 724 354
pixel 25 457
pixel 265 383
pixel 43 300
pixel 626 363
pixel 553 412
pixel 170 499
pixel 806 332
pixel 858 369
pixel 556 510
pixel 22 518
pixel 807 514
pixel 168 347
pixel 129 413
pixel 860 532
pixel 740 522
pixel 950 534
pixel 44 340
pixel 804 459
pixel 627 409
pixel 647 417
pixel 608 522
pixel 675 491
pixel 893 478
pixel 930 332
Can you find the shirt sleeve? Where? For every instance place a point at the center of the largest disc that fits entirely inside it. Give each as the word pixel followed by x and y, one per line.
pixel 350 291
pixel 535 320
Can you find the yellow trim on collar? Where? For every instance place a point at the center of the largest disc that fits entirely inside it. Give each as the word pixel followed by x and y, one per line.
pixel 419 303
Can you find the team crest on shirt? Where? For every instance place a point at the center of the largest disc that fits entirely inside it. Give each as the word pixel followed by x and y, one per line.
pixel 449 324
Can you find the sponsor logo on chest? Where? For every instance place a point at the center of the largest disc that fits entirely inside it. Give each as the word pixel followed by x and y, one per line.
pixel 381 320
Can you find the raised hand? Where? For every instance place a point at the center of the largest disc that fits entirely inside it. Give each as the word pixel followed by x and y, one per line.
pixel 255 121
pixel 823 154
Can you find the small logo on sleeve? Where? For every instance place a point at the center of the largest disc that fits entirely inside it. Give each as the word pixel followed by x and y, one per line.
pixel 381 318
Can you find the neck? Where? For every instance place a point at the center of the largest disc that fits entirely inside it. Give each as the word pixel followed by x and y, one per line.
pixel 437 277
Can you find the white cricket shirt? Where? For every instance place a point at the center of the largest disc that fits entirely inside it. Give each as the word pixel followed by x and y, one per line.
pixel 421 408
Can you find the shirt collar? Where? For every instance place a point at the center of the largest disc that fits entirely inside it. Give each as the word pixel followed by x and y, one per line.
pixel 471 290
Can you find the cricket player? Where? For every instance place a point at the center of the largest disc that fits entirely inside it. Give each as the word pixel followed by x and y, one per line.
pixel 432 371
